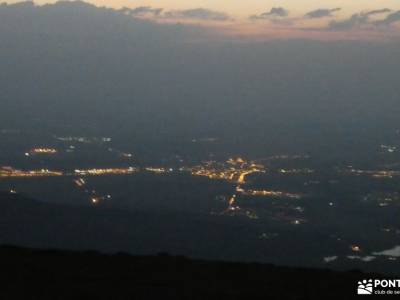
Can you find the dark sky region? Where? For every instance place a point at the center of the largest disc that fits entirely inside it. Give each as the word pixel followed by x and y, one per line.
pixel 97 69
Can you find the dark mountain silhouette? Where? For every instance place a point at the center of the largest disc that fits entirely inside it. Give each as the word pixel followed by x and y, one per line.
pixel 55 274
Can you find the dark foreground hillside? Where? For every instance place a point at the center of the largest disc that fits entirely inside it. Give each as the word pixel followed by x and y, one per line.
pixel 54 274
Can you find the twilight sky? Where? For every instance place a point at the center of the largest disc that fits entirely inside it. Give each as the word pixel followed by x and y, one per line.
pixel 366 19
pixel 244 8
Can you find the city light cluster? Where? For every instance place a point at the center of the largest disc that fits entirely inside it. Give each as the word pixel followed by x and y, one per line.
pixel 83 139
pixel 43 151
pixel 11 172
pixel 233 170
pixel 108 171
pixel 376 173
pixel 269 193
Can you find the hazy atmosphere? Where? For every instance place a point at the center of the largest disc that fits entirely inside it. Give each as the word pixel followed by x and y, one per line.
pixel 256 131
pixel 260 19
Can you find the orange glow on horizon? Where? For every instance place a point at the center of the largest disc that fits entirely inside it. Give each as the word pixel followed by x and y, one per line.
pixel 293 26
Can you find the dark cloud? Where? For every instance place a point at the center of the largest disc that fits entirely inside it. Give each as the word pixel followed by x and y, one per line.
pixel 362 19
pixel 378 11
pixel 390 19
pixel 274 12
pixel 143 11
pixel 321 13
pixel 197 13
pixel 355 20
